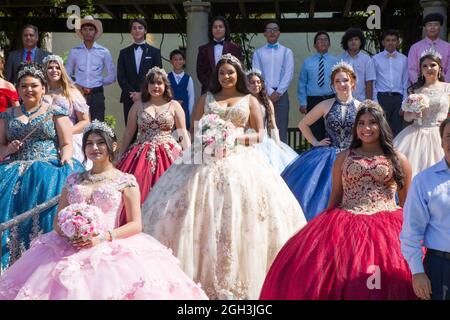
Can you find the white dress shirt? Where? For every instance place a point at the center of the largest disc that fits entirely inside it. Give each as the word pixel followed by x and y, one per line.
pixel 88 65
pixel 276 65
pixel 391 73
pixel 365 71
pixel 218 50
pixel 138 56
pixel 190 89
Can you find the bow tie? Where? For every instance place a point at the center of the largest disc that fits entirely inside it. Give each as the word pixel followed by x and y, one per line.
pixel 272 46
pixel 391 55
pixel 218 42
pixel 135 46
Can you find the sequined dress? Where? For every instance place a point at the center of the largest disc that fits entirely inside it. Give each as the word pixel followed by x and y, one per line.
pixel 137 267
pixel 309 176
pixel 153 152
pixel 29 177
pixel 421 142
pixel 225 219
pixel 351 251
pixel 277 155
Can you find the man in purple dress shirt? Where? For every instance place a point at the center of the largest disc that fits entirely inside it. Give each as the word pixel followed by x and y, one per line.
pixel 432 23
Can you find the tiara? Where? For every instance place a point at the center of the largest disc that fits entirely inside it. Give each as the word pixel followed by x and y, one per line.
pixel 99 126
pixel 53 57
pixel 431 52
pixel 156 70
pixel 30 70
pixel 229 56
pixel 342 64
pixel 254 71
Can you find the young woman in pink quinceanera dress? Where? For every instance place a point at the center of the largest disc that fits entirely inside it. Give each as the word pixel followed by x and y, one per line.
pixel 352 249
pixel 121 263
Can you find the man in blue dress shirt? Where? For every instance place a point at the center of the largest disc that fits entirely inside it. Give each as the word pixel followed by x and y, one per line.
pixel 87 61
pixel 427 222
pixel 314 82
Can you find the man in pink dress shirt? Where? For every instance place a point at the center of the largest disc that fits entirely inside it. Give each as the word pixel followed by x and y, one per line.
pixel 432 23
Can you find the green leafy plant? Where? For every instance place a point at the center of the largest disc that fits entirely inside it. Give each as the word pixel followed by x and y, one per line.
pixel 111 121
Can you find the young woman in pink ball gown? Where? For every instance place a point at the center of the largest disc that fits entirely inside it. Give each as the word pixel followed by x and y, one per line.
pixel 352 249
pixel 119 263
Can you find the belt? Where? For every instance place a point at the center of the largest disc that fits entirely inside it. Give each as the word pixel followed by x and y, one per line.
pixel 323 97
pixel 91 90
pixel 441 254
pixel 390 94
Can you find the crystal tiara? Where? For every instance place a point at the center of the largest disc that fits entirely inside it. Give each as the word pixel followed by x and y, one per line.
pixel 343 64
pixel 254 71
pixel 31 70
pixel 431 52
pixel 99 126
pixel 53 57
pixel 156 70
pixel 229 56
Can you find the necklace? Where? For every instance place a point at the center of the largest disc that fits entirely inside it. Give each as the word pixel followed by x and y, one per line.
pixel 97 177
pixel 29 114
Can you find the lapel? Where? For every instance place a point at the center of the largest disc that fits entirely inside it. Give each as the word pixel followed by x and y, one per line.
pixel 38 58
pixel 212 61
pixel 131 59
pixel 18 56
pixel 144 54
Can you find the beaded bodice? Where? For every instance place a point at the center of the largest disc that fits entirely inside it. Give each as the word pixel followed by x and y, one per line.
pixel 151 127
pixel 439 105
pixel 339 123
pixel 42 144
pixel 237 114
pixel 368 184
pixel 107 196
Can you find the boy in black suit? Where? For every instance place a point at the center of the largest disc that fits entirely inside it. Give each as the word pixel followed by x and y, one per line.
pixel 134 63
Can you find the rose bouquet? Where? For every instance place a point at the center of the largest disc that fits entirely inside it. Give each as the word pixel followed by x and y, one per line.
pixel 416 103
pixel 217 135
pixel 80 221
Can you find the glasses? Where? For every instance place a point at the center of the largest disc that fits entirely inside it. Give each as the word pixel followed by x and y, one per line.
pixel 272 30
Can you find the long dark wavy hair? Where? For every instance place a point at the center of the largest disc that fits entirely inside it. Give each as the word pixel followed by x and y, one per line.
pixel 385 139
pixel 241 84
pixel 226 25
pixel 421 79
pixel 263 98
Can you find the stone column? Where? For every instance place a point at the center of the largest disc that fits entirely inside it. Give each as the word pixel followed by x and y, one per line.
pixel 436 6
pixel 197 34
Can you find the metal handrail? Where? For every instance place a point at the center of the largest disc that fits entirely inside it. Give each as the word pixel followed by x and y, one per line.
pixel 22 217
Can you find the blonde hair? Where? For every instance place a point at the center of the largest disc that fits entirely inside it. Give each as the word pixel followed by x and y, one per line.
pixel 2 62
pixel 68 87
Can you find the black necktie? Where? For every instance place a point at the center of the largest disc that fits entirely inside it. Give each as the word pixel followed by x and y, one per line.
pixel 218 42
pixel 135 45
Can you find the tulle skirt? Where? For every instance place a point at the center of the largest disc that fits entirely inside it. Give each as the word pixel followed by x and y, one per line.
pixel 421 145
pixel 23 186
pixel 278 156
pixel 137 267
pixel 224 219
pixel 342 255
pixel 309 178
pixel 147 162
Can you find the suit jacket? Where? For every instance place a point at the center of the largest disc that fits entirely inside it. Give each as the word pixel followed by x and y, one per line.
pixel 15 58
pixel 127 76
pixel 206 63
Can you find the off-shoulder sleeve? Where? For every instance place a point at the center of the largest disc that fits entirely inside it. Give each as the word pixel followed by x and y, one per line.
pixel 127 180
pixel 72 179
pixel 60 106
pixel 79 103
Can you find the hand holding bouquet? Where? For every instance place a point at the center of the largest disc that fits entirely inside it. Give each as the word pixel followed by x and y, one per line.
pixel 416 103
pixel 217 135
pixel 80 222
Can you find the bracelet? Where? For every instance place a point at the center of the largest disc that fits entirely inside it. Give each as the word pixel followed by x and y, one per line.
pixel 111 235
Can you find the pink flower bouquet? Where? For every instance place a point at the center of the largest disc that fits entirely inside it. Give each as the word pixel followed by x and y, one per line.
pixel 217 135
pixel 80 220
pixel 416 103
